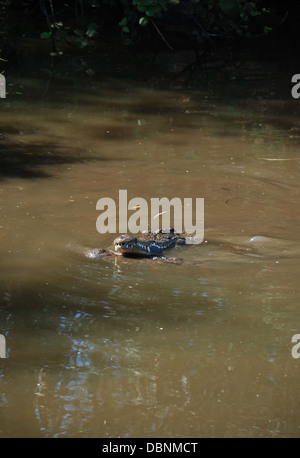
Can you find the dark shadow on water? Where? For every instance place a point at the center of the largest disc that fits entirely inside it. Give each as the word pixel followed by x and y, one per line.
pixel 29 161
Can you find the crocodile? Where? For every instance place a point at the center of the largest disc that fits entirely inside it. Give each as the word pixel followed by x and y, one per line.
pixel 151 245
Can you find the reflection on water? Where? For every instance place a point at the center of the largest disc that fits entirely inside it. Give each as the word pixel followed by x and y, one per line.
pixel 134 348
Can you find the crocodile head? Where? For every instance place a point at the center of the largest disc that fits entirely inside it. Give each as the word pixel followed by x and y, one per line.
pixel 148 244
pixel 128 245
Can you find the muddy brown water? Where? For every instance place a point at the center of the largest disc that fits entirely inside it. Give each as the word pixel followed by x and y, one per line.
pixel 138 349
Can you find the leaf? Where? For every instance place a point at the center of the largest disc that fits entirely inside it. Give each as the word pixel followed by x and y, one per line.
pixel 83 43
pixel 150 13
pixel 91 30
pixel 45 35
pixel 267 29
pixel 123 21
pixel 125 29
pixel 141 8
pixel 78 32
pixel 226 5
pixel 90 72
pixel 143 21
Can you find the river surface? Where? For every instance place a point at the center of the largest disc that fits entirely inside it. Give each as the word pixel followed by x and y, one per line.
pixel 134 348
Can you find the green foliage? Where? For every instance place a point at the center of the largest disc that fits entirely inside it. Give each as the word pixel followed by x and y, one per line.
pixel 83 35
pixel 45 35
pixel 123 24
pixel 195 23
pixel 198 20
pixel 227 5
